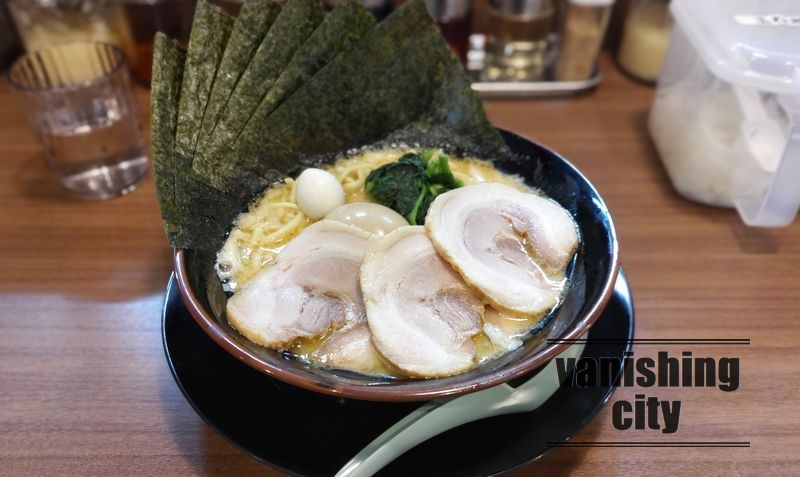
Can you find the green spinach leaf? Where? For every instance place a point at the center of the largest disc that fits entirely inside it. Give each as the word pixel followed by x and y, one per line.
pixel 409 185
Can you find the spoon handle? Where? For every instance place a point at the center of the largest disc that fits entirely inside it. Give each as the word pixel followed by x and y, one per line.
pixel 436 417
pixel 428 420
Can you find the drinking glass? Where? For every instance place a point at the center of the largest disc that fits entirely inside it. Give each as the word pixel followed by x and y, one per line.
pixel 79 101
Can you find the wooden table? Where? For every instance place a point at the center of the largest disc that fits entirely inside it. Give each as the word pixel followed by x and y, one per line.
pixel 85 388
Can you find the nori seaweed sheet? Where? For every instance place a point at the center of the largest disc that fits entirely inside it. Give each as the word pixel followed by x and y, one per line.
pixel 345 25
pixel 251 26
pixel 207 214
pixel 399 82
pixel 195 215
pixel 168 60
pixel 296 22
pixel 211 28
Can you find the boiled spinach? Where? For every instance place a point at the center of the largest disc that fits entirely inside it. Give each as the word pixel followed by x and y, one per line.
pixel 409 185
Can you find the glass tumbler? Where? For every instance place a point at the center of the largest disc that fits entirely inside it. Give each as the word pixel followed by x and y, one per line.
pixel 79 101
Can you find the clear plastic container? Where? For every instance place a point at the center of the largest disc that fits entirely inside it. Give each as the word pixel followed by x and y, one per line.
pixel 726 117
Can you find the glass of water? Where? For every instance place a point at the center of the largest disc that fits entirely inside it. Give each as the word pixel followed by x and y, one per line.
pixel 79 101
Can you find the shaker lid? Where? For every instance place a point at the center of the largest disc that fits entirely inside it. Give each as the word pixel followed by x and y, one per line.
pixel 748 42
pixel 592 3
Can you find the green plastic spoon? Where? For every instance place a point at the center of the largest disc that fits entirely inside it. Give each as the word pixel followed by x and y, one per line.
pixel 435 417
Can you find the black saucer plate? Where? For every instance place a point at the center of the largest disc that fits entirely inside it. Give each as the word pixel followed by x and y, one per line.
pixel 310 434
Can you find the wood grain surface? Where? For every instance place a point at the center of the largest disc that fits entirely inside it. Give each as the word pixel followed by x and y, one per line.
pixel 85 388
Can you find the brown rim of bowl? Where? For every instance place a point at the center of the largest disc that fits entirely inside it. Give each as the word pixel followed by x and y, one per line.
pixel 386 393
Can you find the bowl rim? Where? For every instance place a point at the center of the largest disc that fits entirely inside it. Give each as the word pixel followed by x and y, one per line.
pixel 397 393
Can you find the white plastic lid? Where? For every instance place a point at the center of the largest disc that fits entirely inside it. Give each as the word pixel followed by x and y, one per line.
pixel 749 42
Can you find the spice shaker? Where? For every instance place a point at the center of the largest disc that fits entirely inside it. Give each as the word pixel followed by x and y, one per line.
pixel 644 39
pixel 519 39
pixel 582 31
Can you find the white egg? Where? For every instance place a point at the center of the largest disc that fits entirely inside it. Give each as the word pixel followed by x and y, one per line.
pixel 374 218
pixel 318 192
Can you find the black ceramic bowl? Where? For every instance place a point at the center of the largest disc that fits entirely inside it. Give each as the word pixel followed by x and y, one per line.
pixel 590 286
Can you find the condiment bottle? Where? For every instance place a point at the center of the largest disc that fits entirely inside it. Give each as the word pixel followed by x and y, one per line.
pixel 645 39
pixel 519 39
pixel 145 18
pixel 454 18
pixel 584 26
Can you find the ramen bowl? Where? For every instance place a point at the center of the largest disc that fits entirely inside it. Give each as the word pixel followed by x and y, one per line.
pixel 591 281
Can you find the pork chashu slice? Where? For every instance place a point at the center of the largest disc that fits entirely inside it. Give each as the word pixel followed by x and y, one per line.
pixel 311 288
pixel 421 313
pixel 512 246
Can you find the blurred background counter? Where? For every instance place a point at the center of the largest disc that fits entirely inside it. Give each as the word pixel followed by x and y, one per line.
pixel 86 389
pixel 529 41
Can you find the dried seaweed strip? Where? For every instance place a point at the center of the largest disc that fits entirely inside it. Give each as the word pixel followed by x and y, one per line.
pixel 207 212
pixel 400 77
pixel 210 31
pixel 297 21
pixel 195 215
pixel 399 82
pixel 345 25
pixel 249 30
pixel 168 60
